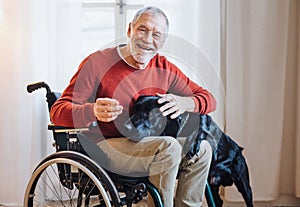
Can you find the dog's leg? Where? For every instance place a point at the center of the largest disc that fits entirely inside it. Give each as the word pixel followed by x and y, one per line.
pixel 216 196
pixel 242 181
pixel 245 189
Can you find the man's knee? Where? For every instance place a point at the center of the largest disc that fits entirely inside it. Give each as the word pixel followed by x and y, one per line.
pixel 167 156
pixel 172 146
pixel 169 149
pixel 171 142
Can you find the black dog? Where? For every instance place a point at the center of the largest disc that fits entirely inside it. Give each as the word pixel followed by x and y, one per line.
pixel 228 165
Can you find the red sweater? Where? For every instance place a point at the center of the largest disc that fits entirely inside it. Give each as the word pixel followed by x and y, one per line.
pixel 105 74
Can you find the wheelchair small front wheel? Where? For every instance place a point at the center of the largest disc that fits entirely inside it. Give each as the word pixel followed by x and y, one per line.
pixel 65 182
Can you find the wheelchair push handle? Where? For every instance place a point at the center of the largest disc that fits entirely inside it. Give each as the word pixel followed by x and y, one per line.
pixel 51 96
pixel 37 85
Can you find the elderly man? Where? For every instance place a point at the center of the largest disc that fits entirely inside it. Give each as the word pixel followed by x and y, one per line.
pixel 104 89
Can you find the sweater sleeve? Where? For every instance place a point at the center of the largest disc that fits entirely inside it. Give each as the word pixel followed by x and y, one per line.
pixel 182 85
pixel 76 109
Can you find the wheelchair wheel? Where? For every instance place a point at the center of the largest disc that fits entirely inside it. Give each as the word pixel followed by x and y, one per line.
pixel 70 179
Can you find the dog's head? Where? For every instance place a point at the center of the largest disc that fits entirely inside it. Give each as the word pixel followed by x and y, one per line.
pixel 147 120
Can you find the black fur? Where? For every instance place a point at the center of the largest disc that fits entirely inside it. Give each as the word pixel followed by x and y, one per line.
pixel 228 165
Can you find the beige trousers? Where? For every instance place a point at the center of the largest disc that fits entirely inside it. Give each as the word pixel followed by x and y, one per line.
pixel 160 158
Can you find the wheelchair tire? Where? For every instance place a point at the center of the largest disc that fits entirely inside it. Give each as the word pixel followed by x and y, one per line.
pixel 70 179
pixel 153 192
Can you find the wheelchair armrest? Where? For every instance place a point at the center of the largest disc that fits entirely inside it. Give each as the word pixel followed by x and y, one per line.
pixel 62 129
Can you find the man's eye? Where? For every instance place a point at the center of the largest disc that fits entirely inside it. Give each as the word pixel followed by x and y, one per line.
pixel 142 29
pixel 156 36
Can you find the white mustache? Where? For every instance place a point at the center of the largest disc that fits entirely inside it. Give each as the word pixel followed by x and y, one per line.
pixel 147 49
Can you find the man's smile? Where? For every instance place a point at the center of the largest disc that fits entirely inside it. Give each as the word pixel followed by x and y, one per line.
pixel 145 48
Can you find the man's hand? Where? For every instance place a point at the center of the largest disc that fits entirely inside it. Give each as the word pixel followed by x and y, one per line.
pixel 107 109
pixel 175 105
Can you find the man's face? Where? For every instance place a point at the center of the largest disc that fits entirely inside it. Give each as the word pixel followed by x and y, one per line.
pixel 147 35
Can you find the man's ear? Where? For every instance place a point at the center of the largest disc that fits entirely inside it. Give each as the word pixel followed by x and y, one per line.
pixel 129 30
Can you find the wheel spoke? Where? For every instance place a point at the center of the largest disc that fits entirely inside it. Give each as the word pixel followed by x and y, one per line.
pixel 60 181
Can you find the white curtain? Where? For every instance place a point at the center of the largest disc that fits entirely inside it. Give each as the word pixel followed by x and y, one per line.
pixel 260 45
pixel 30 48
pixel 15 138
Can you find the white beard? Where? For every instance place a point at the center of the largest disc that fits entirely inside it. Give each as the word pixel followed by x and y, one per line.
pixel 143 57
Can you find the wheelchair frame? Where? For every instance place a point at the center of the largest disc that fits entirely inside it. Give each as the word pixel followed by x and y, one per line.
pixel 72 177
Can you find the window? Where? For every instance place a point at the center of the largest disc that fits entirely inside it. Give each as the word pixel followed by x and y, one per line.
pixel 104 21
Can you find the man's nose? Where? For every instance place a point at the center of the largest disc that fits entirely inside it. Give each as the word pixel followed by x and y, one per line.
pixel 148 37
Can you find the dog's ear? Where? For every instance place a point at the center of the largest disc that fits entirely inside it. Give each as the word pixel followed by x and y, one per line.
pixel 138 103
pixel 141 99
pixel 145 103
pixel 151 103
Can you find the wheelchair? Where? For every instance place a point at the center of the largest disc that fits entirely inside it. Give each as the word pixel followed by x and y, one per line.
pixel 72 176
